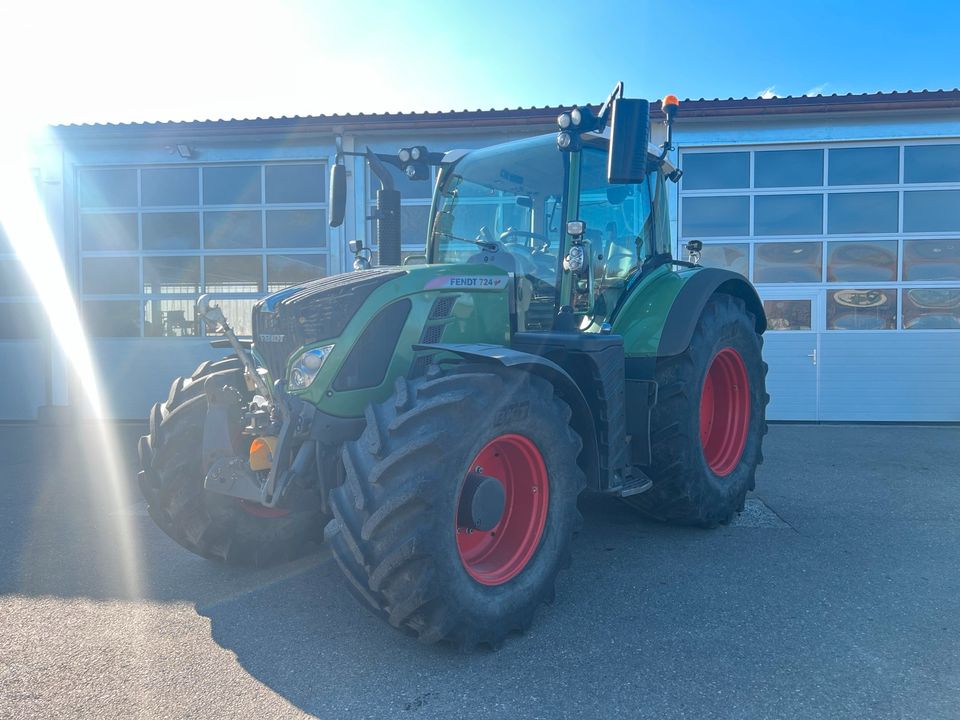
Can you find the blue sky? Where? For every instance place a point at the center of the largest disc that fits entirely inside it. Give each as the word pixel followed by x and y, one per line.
pixel 107 60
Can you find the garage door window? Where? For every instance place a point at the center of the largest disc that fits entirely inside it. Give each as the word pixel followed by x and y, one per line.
pixel 153 238
pixel 862 309
pixel 788 262
pixel 717 171
pixel 788 314
pixel 931 259
pixel 931 164
pixel 931 309
pixel 875 226
pixel 727 256
pixel 862 261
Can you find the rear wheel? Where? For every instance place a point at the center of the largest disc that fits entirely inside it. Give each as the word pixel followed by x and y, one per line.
pixel 208 524
pixel 708 424
pixel 459 504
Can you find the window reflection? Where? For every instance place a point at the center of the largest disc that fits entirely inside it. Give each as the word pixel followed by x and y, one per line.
pixel 107 187
pixel 862 261
pixel 231 185
pixel 286 270
pixel 171 318
pixel 109 231
pixel 931 163
pixel 716 216
pixel 788 314
pixel 169 186
pixel 866 212
pixel 931 259
pixel 728 256
pixel 866 309
pixel 931 309
pixel 864 166
pixel 787 262
pixel 111 276
pixel 233 273
pixel 296 229
pixel 788 168
pixel 931 211
pixel 171 275
pixel 716 170
pixel 788 215
pixel 171 231
pixel 230 229
pixel 295 183
pixel 239 312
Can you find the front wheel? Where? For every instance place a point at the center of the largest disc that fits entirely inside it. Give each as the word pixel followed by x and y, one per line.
pixel 459 504
pixel 708 424
pixel 211 525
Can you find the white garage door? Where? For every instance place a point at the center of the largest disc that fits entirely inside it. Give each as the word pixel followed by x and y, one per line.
pixel 855 250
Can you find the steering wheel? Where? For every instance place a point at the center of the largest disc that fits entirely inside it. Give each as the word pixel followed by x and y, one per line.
pixel 526 234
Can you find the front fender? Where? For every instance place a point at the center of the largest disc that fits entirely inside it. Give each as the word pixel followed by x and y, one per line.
pixel 564 385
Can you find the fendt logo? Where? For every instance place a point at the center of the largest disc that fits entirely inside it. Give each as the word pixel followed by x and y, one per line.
pixel 272 338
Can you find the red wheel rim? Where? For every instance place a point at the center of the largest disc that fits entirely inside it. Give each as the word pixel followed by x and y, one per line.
pixel 724 412
pixel 494 557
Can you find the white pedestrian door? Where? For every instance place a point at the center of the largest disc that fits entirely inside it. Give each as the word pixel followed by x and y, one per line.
pixel 790 347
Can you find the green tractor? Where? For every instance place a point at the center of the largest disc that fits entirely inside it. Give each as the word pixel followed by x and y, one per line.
pixel 435 423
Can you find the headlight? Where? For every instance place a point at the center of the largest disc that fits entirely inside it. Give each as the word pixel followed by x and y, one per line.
pixel 305 369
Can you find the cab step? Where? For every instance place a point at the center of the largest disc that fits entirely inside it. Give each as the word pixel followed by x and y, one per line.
pixel 635 483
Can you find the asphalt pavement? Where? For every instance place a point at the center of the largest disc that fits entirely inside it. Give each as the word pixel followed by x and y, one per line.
pixel 835 595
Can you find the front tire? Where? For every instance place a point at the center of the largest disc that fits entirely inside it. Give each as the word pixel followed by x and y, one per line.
pixel 397 532
pixel 211 525
pixel 708 425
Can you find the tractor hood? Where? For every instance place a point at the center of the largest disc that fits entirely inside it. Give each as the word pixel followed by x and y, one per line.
pixel 363 326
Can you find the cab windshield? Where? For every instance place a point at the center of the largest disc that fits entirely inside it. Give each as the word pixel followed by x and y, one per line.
pixel 510 195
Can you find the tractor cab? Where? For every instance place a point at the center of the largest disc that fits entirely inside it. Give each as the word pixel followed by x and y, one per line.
pixel 510 206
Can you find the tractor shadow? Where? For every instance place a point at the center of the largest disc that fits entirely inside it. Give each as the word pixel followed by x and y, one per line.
pixel 307 639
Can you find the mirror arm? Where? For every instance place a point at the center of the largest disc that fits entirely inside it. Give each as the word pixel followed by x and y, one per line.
pixel 604 113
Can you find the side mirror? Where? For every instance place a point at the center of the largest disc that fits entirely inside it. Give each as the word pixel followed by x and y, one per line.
pixel 629 138
pixel 337 204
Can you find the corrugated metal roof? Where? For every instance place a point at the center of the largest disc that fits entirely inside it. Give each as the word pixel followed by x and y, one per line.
pixel 701 107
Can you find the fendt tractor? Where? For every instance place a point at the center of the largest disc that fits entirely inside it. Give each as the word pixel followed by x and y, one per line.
pixel 435 420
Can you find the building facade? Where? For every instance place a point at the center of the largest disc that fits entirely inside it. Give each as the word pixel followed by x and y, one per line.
pixel 844 211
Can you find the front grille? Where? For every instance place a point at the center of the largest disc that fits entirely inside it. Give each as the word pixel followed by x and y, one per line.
pixel 318 310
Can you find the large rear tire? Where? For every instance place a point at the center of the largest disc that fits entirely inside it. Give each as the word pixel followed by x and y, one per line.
pixel 708 424
pixel 212 525
pixel 398 532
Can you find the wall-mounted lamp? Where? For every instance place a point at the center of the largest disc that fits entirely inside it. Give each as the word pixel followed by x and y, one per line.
pixel 185 151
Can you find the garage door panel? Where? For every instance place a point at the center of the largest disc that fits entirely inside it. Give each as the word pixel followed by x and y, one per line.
pixel 26 361
pixel 136 373
pixel 792 378
pixel 890 376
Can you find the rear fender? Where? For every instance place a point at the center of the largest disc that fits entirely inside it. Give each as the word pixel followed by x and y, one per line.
pixel 687 307
pixel 582 418
pixel 661 313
